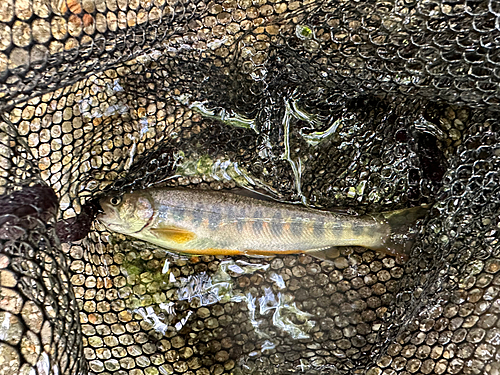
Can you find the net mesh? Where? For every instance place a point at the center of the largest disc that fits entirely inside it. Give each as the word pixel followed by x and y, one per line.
pixel 369 105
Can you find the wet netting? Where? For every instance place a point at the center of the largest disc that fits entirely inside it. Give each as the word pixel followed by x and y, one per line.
pixel 367 105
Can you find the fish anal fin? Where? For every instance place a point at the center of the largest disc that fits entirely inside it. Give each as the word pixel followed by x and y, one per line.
pixel 173 233
pixel 329 253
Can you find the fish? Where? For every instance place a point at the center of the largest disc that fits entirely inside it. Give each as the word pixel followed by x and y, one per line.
pixel 204 222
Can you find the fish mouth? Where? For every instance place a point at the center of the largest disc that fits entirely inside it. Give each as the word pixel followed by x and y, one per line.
pixel 104 219
pixel 109 216
pixel 100 218
pixel 109 223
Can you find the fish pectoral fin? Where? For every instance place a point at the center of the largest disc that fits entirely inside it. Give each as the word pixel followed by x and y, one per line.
pixel 172 233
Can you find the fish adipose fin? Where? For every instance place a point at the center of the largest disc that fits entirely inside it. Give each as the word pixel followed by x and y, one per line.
pixel 172 233
pixel 402 225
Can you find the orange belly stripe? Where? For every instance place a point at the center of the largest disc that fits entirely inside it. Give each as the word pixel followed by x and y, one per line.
pixel 213 251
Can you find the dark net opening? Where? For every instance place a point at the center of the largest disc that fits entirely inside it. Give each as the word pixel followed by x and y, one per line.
pixel 366 105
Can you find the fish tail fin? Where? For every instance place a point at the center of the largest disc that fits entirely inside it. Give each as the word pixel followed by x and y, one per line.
pixel 400 230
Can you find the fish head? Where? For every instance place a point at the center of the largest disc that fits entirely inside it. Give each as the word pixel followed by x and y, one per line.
pixel 127 213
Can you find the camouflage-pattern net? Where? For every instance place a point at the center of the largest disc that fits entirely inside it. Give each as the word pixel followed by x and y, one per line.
pixel 370 105
pixel 38 310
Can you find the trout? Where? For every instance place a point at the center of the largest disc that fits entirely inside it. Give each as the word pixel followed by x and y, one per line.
pixel 203 222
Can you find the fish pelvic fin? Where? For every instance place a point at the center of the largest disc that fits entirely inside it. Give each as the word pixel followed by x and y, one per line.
pixel 173 233
pixel 400 230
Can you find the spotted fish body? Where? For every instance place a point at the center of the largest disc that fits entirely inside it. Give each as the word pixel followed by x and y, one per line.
pixel 222 223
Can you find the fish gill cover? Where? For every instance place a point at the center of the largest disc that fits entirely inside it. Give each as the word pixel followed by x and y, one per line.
pixel 369 105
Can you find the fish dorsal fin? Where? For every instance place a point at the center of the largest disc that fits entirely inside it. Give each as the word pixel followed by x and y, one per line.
pixel 173 233
pixel 255 194
pixel 268 196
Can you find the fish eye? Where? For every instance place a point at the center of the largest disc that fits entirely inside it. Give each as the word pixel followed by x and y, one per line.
pixel 115 201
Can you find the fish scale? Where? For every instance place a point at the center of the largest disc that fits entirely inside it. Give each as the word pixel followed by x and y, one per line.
pixel 223 223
